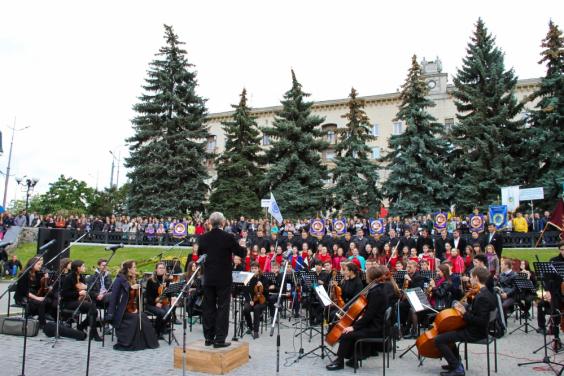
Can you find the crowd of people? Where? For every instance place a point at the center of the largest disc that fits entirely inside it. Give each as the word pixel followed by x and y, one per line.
pixel 384 265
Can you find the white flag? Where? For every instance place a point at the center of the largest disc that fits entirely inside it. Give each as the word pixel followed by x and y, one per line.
pixel 510 197
pixel 274 210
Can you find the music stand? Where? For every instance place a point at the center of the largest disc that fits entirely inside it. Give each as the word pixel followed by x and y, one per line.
pixel 326 302
pixel 428 274
pixel 399 276
pixel 547 271
pixel 173 289
pixel 524 287
pixel 240 280
pixel 339 277
pixel 419 302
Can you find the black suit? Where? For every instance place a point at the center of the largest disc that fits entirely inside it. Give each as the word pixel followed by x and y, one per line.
pixel 461 246
pixel 476 318
pixel 219 246
pixel 496 241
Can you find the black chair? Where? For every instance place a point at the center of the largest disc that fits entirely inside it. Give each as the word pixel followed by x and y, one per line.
pixel 386 341
pixel 486 341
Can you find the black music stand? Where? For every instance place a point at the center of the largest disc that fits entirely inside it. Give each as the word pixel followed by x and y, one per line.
pixel 547 271
pixel 524 287
pixel 324 349
pixel 173 289
pixel 428 274
pixel 419 302
pixel 309 279
pixel 399 276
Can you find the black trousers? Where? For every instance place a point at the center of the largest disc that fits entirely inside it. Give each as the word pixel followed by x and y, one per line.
pixel 160 324
pixel 257 310
pixel 216 312
pixel 444 343
pixel 38 308
pixel 346 343
pixel 87 308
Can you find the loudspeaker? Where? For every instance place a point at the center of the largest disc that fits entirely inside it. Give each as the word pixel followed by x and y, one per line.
pixel 62 240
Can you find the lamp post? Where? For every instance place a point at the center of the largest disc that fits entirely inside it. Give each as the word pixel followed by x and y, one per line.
pixel 28 184
pixel 113 167
pixel 14 130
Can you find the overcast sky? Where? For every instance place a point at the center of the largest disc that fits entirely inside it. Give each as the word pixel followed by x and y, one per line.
pixel 72 71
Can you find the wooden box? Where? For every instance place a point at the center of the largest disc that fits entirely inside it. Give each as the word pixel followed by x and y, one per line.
pixel 206 359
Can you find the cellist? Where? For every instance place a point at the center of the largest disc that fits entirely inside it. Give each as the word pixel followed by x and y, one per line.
pixel 476 317
pixel 370 325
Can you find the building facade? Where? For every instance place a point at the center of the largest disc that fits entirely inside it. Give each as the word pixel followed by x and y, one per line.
pixel 381 110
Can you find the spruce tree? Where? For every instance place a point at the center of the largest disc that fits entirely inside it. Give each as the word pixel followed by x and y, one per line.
pixel 546 138
pixel 418 181
pixel 488 136
pixel 354 175
pixel 236 190
pixel 168 149
pixel 295 174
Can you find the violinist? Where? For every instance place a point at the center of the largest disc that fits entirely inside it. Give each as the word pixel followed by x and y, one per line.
pixel 551 302
pixel 440 291
pixel 370 325
pixel 412 279
pixel 74 294
pixel 476 316
pixel 133 329
pixel 99 284
pixel 256 296
pixel 31 289
pixel 274 288
pixel 157 302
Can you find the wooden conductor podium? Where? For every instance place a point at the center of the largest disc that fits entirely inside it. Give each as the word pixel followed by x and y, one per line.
pixel 206 359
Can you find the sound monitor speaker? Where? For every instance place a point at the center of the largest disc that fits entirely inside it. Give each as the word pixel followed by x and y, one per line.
pixel 62 240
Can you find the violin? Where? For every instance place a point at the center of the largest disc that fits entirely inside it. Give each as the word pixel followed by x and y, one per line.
pixel 336 292
pixel 81 287
pixel 259 294
pixel 44 287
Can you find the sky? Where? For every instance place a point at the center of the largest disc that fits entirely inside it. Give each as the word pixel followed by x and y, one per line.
pixel 72 70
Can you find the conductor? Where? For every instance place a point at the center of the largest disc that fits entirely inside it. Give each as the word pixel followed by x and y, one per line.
pixel 218 246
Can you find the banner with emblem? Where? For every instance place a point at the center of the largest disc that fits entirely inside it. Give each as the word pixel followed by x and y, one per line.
pixel 179 230
pixel 440 220
pixel 340 226
pixel 477 223
pixel 376 226
pixel 317 227
pixel 498 215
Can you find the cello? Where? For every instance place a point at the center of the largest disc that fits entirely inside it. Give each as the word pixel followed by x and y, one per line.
pixel 354 309
pixel 447 320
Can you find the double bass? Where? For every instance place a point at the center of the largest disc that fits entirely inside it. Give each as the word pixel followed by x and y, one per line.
pixel 447 320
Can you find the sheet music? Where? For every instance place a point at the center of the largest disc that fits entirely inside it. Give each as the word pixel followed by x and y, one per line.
pixel 325 299
pixel 414 299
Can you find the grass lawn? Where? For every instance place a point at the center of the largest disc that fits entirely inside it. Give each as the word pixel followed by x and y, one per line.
pixel 90 255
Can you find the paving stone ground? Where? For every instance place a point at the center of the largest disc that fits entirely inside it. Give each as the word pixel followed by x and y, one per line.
pixel 69 357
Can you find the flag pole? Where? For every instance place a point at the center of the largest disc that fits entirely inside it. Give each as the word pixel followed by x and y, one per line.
pixel 541 235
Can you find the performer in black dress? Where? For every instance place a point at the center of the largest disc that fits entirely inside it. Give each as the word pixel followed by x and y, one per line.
pixel 133 329
pixel 157 303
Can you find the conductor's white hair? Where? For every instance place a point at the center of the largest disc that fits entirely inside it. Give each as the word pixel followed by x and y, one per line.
pixel 216 219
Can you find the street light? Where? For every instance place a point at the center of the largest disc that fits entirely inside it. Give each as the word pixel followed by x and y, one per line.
pixel 14 130
pixel 113 166
pixel 27 184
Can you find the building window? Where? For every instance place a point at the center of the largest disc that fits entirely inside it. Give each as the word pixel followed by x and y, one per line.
pixel 449 123
pixel 212 144
pixel 265 140
pixel 330 137
pixel 330 155
pixel 397 128
pixel 376 153
pixel 375 130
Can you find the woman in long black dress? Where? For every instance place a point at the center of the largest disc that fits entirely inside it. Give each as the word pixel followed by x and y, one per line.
pixel 133 329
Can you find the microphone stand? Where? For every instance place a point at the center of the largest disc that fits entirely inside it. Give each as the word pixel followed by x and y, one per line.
pixel 77 308
pixel 58 284
pixel 276 318
pixel 24 273
pixel 182 296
